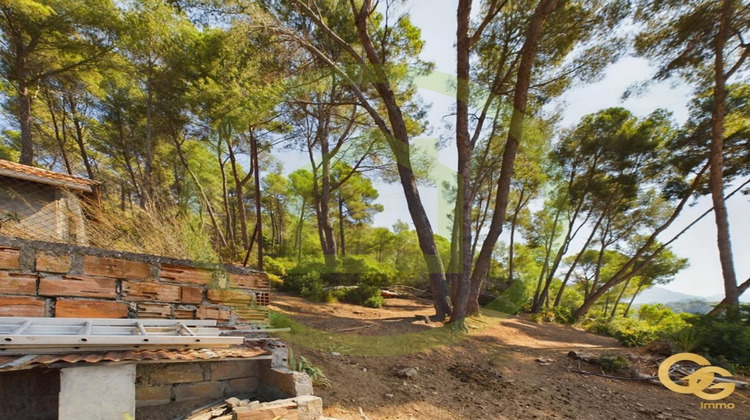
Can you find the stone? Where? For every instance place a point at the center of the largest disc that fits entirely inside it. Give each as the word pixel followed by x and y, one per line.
pixel 407 373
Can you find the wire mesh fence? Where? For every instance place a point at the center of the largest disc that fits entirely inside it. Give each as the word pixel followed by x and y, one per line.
pixel 63 212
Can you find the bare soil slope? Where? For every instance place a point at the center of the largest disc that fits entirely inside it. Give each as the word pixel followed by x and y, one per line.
pixel 506 368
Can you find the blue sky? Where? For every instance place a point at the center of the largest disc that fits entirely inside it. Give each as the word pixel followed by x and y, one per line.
pixel 702 278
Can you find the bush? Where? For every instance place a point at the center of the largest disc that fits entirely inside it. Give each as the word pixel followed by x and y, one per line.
pixel 724 341
pixel 273 266
pixel 361 270
pixel 512 299
pixel 365 295
pixel 614 363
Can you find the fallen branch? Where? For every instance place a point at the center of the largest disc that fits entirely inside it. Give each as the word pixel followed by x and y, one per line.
pixel 625 378
pixel 354 328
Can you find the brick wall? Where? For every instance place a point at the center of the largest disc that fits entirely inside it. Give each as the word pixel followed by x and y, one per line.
pixel 39 279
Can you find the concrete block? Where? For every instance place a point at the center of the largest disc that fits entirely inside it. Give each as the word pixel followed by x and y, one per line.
pixel 241 386
pixel 233 370
pixel 293 384
pixel 97 392
pixel 174 373
pixel 309 407
pixel 207 391
pixel 152 395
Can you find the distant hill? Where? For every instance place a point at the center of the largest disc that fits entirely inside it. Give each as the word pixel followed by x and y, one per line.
pixel 662 295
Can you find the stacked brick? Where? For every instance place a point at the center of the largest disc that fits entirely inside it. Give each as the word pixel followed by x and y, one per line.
pixel 82 283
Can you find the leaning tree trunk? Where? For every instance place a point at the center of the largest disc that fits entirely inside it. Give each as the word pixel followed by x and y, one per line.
pixel 399 143
pixel 515 136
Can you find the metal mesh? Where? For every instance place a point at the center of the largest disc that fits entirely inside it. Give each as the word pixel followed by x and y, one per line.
pixel 31 210
pixel 52 213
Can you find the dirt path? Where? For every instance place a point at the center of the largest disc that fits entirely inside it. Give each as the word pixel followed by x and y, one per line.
pixel 494 373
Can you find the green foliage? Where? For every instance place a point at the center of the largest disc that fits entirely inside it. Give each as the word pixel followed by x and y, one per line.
pixel 614 363
pixel 273 266
pixel 512 300
pixel 362 270
pixel 724 340
pixel 301 364
pixel 365 295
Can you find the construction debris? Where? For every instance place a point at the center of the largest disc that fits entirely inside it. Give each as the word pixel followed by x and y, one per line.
pixel 246 407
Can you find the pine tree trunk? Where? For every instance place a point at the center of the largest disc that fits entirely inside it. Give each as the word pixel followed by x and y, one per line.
pixel 716 180
pixel 515 136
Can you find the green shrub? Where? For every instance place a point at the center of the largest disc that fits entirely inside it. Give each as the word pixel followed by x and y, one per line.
pixel 273 266
pixel 361 270
pixel 365 295
pixel 722 340
pixel 512 300
pixel 614 363
pixel 303 276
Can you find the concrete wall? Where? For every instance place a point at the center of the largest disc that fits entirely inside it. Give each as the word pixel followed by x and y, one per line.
pixel 97 393
pixel 42 279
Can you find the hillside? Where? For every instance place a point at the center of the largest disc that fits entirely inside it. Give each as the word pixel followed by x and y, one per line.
pixel 387 364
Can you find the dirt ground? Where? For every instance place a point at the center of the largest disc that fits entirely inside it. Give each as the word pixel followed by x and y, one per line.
pixel 506 368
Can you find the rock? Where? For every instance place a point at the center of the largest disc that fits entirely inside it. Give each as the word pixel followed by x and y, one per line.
pixel 389 395
pixel 407 373
pixel 544 361
pixel 335 354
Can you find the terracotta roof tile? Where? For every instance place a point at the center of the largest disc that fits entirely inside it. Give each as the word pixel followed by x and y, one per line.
pixel 8 363
pixel 44 176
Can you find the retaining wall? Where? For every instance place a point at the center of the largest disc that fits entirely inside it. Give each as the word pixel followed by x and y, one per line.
pixel 43 279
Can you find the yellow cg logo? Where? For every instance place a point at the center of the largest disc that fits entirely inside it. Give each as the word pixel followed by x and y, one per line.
pixel 699 381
